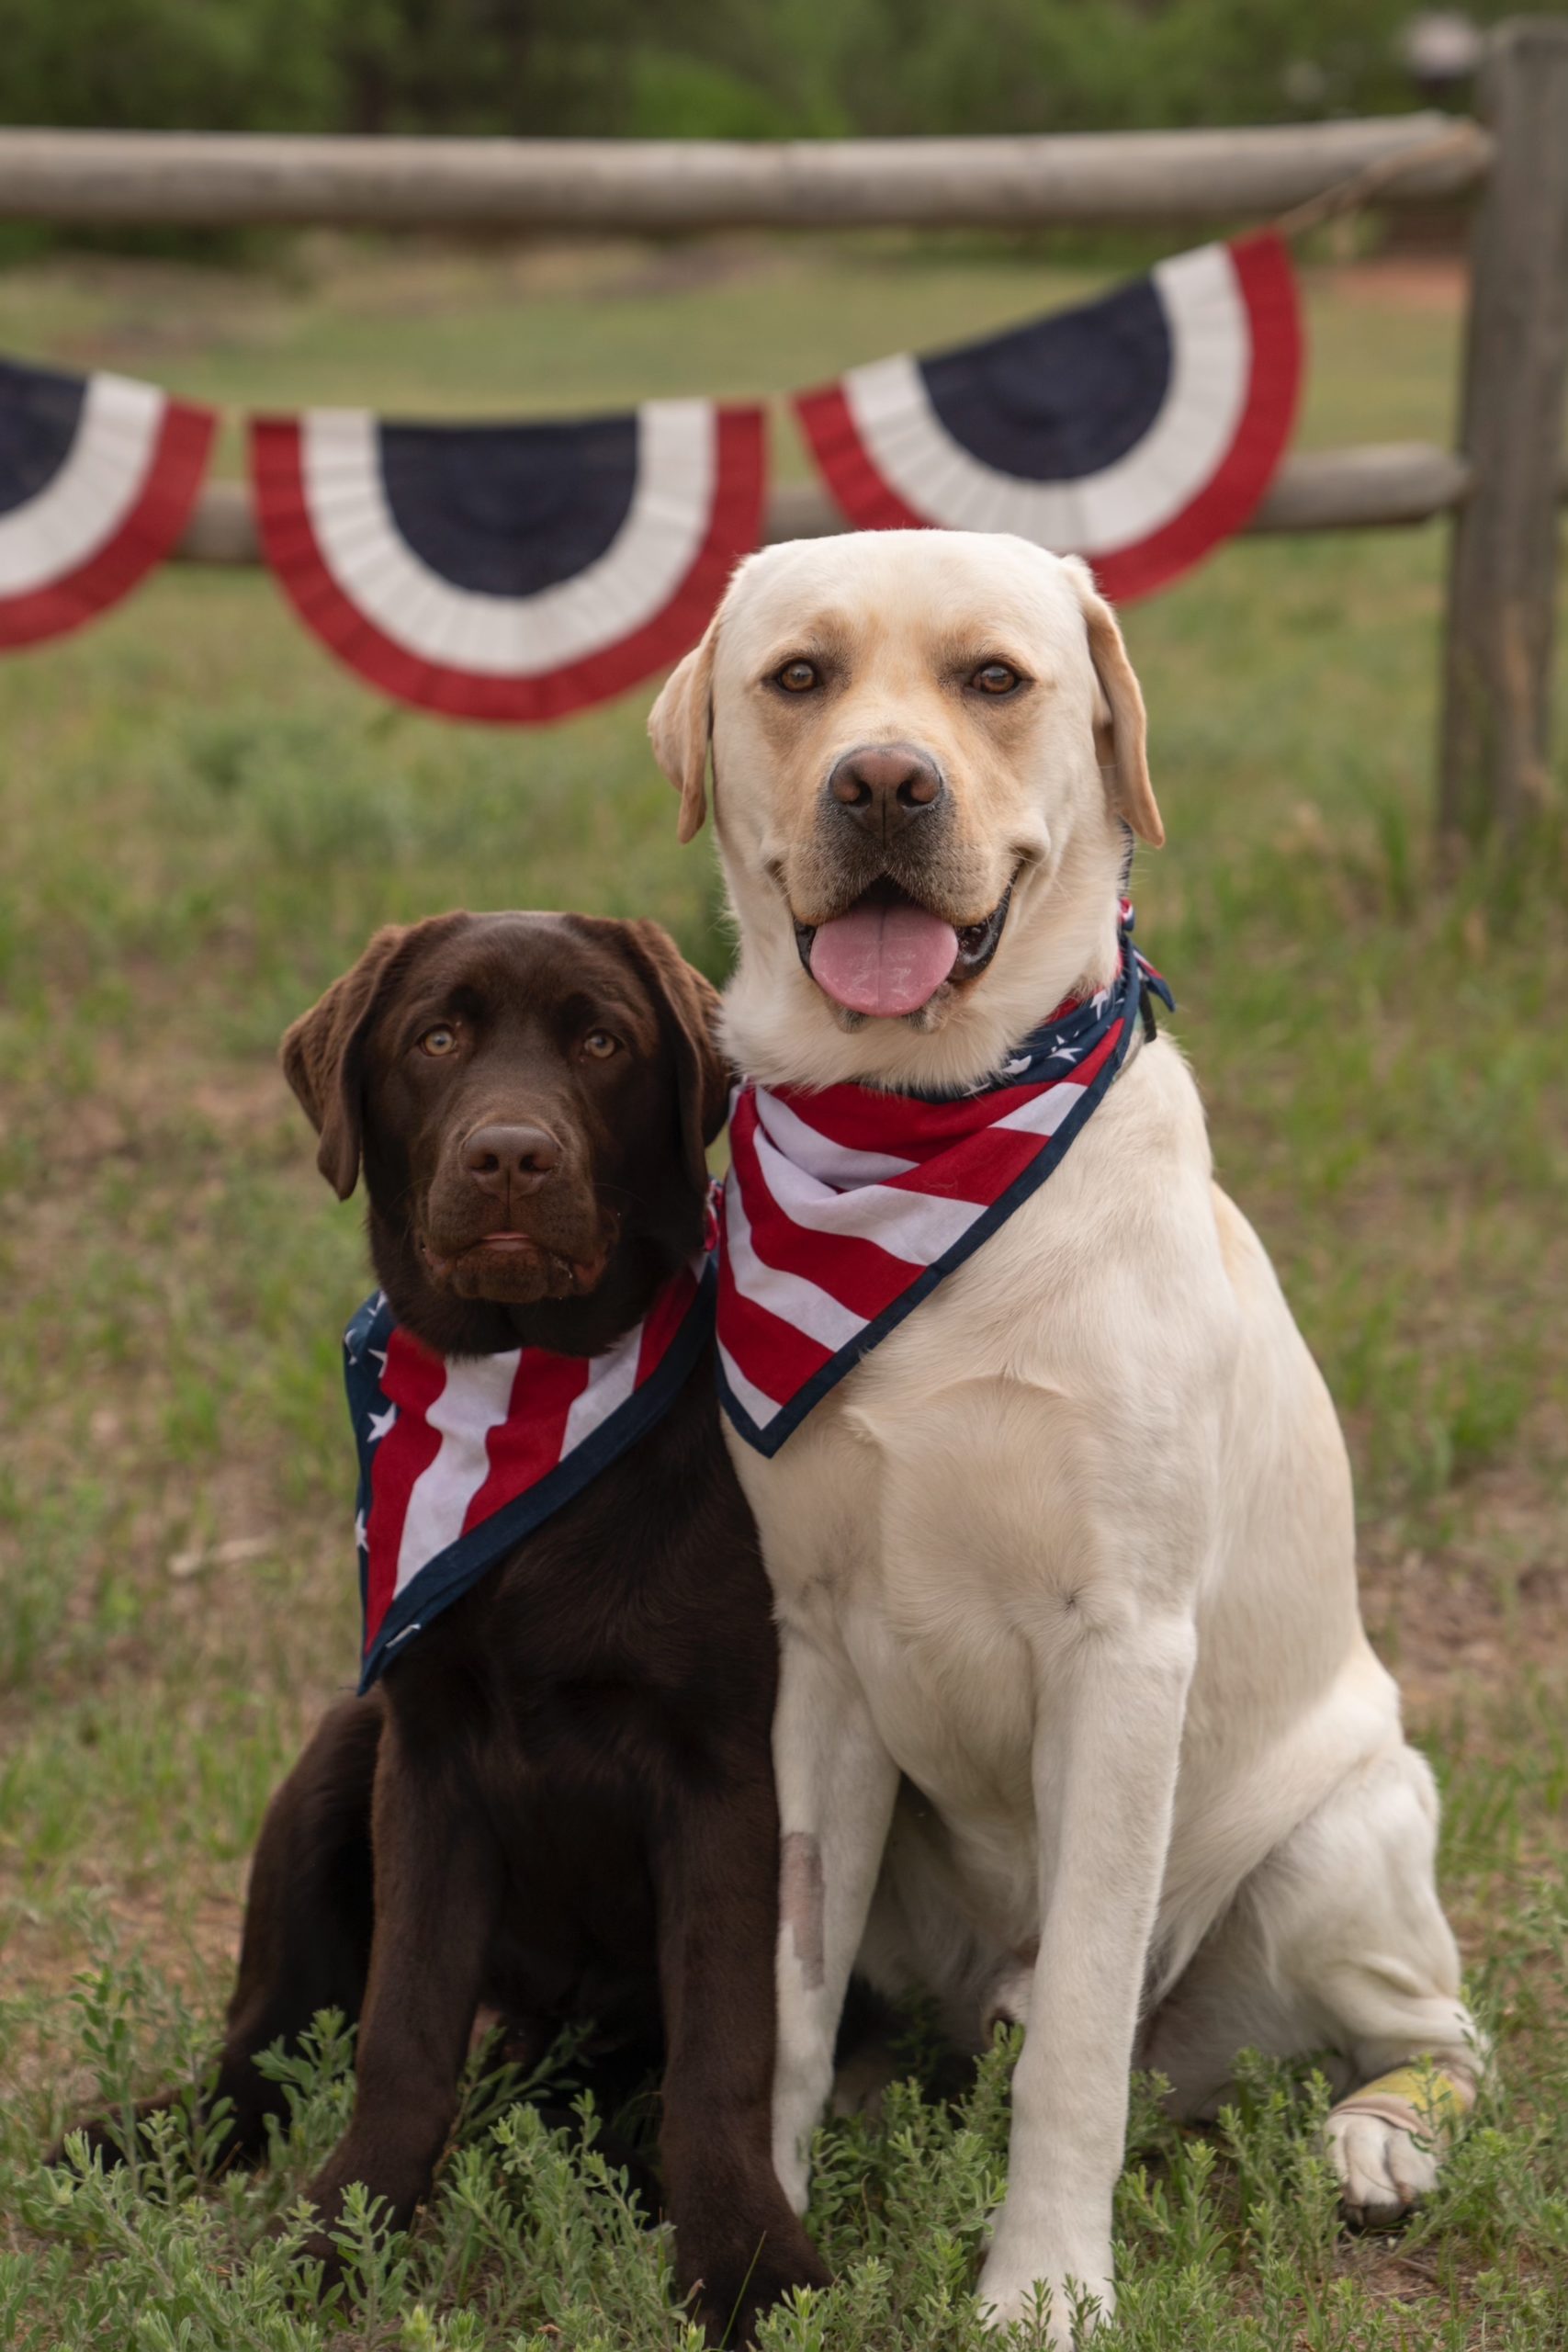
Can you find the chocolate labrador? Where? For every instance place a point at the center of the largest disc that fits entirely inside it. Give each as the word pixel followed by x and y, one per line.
pixel 558 1798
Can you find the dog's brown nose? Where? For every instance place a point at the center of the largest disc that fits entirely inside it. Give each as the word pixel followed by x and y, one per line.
pixel 508 1161
pixel 884 787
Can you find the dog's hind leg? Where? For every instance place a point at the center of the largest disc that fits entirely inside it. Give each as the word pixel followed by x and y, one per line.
pixel 306 1941
pixel 309 1911
pixel 1337 1944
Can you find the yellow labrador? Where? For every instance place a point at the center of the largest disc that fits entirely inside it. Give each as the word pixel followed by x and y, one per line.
pixel 1078 1721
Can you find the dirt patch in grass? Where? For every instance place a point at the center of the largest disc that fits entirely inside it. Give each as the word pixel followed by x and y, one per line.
pixel 1437 283
pixel 1480 1607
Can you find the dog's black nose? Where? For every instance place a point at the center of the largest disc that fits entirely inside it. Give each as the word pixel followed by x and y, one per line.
pixel 505 1161
pixel 884 787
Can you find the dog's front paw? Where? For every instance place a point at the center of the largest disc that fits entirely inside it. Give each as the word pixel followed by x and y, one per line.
pixel 338 2225
pixel 1072 2307
pixel 114 2140
pixel 320 2247
pixel 1383 2165
pixel 733 2295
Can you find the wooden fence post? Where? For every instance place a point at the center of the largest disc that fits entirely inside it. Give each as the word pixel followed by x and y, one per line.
pixel 1502 577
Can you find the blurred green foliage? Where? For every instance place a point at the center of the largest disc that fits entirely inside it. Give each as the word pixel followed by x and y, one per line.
pixel 736 68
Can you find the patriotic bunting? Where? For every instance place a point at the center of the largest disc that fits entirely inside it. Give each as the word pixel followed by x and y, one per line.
pixel 509 571
pixel 1138 431
pixel 97 476
pixel 516 572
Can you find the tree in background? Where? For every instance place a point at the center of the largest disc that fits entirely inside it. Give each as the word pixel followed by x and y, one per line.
pixel 728 68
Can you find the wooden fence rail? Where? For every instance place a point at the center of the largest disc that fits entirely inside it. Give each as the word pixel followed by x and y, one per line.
pixel 1504 486
pixel 656 187
pixel 1379 487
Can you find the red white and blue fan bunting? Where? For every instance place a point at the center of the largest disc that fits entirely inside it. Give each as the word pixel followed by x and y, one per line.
pixel 1138 431
pixel 509 571
pixel 97 476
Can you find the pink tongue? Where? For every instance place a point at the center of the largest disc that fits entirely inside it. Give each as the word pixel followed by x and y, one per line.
pixel 883 959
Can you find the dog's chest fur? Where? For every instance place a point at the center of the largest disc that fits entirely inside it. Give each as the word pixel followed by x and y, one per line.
pixel 1044 1456
pixel 948 1515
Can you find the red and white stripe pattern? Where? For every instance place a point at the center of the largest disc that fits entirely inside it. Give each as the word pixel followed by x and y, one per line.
pixel 330 532
pixel 79 532
pixel 1158 507
pixel 846 1205
pixel 460 1458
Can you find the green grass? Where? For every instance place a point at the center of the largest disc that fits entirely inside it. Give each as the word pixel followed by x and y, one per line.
pixel 202 819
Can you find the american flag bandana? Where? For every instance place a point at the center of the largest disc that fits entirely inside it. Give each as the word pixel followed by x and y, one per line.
pixel 846 1205
pixel 460 1457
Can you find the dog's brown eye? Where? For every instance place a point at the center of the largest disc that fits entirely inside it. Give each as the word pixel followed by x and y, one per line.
pixel 438 1040
pixel 995 678
pixel 797 677
pixel 599 1044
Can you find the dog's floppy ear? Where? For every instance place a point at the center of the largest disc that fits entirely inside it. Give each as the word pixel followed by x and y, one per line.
pixel 322 1055
pixel 689 1009
pixel 1122 736
pixel 680 726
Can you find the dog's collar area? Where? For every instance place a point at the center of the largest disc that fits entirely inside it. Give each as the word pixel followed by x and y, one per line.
pixel 846 1205
pixel 462 1457
pixel 1064 1037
